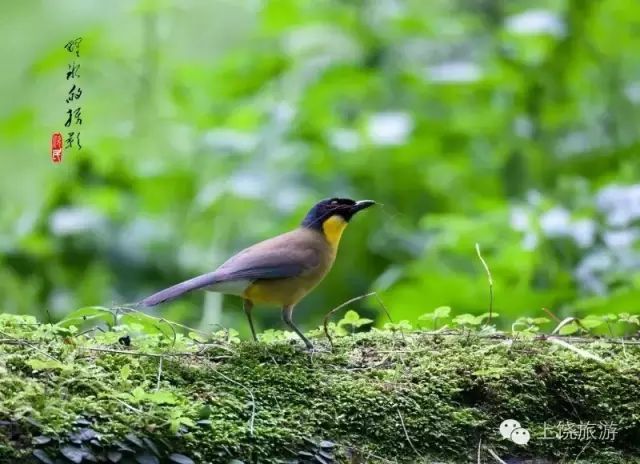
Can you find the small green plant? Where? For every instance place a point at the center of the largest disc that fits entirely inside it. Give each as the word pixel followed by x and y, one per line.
pixel 629 319
pixel 148 325
pixel 178 419
pixel 403 325
pixel 591 321
pixel 573 325
pixel 125 372
pixel 439 313
pixel 609 319
pixel 45 365
pixel 469 320
pixel 352 320
pixel 528 326
pixel 272 335
pixel 226 335
pixel 139 395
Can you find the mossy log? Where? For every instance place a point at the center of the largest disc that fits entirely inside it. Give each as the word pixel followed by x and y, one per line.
pixel 377 397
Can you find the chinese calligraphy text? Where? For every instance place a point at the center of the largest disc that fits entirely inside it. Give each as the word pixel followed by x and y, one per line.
pixel 74 114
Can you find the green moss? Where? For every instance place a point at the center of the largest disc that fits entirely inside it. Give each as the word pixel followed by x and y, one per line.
pixel 377 396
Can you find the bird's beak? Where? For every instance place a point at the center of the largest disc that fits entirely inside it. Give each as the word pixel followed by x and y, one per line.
pixel 362 204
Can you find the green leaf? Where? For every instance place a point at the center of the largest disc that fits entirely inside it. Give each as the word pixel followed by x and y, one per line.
pixel 363 321
pixel 629 318
pixel 159 397
pixel 89 313
pixel 162 397
pixel 591 322
pixel 353 319
pixel 49 364
pixel 272 335
pixel 442 312
pixel 148 324
pixel 138 394
pixel 350 317
pixel 397 326
pixel 187 421
pixel 569 329
pixel 125 371
pixel 466 319
pixel 230 335
pixel 197 337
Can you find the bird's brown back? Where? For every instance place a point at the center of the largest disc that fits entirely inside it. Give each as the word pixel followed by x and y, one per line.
pixel 305 249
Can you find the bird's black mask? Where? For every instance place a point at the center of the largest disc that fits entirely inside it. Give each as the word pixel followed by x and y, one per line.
pixel 343 207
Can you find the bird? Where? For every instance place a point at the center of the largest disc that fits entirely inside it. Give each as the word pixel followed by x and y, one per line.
pixel 281 270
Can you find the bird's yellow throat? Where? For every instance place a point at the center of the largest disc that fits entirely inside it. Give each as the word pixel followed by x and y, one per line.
pixel 333 228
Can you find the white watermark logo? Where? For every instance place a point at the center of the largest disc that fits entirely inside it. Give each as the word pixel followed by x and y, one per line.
pixel 512 430
pixel 605 431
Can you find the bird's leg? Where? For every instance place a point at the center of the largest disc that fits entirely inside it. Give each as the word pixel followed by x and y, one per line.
pixel 287 312
pixel 247 305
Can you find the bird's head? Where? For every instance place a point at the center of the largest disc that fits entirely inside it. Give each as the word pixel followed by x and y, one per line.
pixel 331 216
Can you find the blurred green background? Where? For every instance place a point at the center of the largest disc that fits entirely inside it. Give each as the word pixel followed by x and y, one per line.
pixel 209 125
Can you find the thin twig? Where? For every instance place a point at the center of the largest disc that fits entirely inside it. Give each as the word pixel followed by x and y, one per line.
pixel 579 351
pixel 136 410
pixel 33 347
pixel 352 447
pixel 159 373
pixel 407 435
pixel 200 352
pixel 140 353
pixel 479 447
pixel 91 330
pixel 248 390
pixel 582 451
pixel 128 406
pixel 353 300
pixel 486 268
pixel 205 346
pixel 566 321
pixel 386 311
pixel 495 456
pixel 117 309
pixel 330 313
pixel 383 306
pixel 126 308
pixel 624 349
pixel 553 316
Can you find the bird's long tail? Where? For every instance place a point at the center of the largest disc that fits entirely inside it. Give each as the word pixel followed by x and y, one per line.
pixel 180 289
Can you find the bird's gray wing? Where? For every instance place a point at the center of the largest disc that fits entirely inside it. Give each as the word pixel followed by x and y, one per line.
pixel 276 258
pixel 271 259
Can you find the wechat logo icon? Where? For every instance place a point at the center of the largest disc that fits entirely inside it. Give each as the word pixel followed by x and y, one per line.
pixel 512 430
